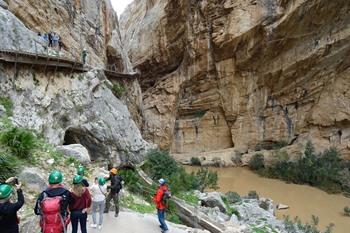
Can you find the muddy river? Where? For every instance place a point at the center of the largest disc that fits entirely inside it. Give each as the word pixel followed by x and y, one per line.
pixel 303 200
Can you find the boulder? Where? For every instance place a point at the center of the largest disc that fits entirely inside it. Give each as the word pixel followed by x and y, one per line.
pixel 33 178
pixel 50 161
pixel 76 151
pixel 213 200
pixel 282 206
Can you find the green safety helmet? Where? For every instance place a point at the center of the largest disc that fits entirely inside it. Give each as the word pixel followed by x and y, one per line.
pixel 101 181
pixel 77 179
pixel 5 191
pixel 55 177
pixel 81 170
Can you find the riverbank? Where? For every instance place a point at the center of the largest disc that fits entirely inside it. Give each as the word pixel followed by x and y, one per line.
pixel 303 200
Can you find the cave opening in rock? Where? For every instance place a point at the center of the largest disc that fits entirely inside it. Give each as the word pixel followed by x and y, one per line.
pixel 97 150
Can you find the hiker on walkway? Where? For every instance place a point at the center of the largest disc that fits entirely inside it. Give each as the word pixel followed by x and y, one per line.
pixel 98 192
pixel 114 189
pixel 8 210
pixel 81 171
pixel 52 205
pixel 84 56
pixel 50 37
pixel 160 199
pixel 55 39
pixel 81 202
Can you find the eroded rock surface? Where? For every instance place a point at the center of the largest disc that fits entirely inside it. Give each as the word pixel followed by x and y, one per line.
pixel 242 74
pixel 77 109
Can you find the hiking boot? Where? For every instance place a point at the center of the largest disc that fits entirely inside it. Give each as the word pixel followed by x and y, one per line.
pixel 93 225
pixel 116 215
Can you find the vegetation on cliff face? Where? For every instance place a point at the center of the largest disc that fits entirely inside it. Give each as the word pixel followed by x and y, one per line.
pixel 324 170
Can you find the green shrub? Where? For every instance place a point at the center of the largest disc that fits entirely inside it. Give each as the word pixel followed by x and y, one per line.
pixel 233 197
pixel 8 166
pixel 257 162
pixel 8 105
pixel 206 179
pixel 253 195
pixel 189 198
pixel 195 161
pixel 347 211
pixel 280 144
pixel 296 226
pixel 118 89
pixel 160 164
pixel 20 141
pixel 325 170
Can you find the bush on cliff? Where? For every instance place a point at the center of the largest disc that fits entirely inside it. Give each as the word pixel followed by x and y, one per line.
pixel 257 162
pixel 21 142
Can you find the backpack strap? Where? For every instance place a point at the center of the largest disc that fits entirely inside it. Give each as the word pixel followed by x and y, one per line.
pixel 104 194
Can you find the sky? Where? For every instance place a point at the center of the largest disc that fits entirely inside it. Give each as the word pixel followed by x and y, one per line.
pixel 120 5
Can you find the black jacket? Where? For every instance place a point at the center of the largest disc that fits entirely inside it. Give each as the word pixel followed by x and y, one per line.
pixel 8 214
pixel 116 183
pixel 54 192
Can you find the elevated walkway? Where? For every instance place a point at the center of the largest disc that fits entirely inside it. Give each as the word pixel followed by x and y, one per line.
pixel 54 62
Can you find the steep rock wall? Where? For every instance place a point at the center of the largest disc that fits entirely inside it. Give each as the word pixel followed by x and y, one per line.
pixel 272 70
pixel 64 106
pixel 81 24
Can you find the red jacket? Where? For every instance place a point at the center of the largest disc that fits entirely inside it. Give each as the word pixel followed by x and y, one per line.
pixel 80 203
pixel 157 199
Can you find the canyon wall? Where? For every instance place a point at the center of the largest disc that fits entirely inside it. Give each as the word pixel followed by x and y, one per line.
pixel 68 106
pixel 245 75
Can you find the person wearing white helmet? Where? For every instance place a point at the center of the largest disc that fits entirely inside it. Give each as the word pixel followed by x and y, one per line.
pixel 160 199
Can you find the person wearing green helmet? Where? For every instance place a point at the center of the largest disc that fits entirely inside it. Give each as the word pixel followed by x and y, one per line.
pixel 81 202
pixel 8 211
pixel 57 197
pixel 98 192
pixel 81 171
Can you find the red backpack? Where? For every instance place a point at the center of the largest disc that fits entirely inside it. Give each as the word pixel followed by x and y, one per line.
pixel 51 219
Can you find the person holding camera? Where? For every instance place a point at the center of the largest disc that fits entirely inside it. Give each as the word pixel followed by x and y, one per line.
pixel 8 211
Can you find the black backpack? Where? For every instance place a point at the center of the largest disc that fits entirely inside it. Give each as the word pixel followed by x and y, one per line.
pixel 166 197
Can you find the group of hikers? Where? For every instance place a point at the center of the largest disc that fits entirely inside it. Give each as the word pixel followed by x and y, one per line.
pixel 52 40
pixel 58 207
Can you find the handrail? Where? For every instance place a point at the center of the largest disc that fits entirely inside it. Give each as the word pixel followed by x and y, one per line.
pixel 59 62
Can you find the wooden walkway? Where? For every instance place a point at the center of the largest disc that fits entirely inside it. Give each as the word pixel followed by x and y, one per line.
pixel 56 62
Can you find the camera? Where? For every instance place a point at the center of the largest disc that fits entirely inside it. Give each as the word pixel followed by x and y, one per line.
pixel 12 181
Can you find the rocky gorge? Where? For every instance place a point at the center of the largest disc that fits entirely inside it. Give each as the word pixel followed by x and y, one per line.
pixel 217 80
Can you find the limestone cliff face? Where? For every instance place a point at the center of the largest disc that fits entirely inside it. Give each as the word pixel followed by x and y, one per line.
pixel 242 74
pixel 67 107
pixel 81 24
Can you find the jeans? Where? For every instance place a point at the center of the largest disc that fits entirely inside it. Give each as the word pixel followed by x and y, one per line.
pixel 161 218
pixel 115 197
pixel 76 217
pixel 101 207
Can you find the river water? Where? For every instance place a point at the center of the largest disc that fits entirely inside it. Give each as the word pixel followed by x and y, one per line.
pixel 303 200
